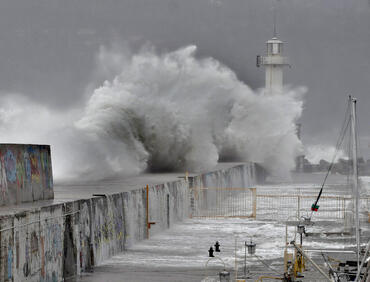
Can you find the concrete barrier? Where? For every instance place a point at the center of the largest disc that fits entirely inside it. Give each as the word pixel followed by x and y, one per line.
pixel 244 175
pixel 56 242
pixel 25 173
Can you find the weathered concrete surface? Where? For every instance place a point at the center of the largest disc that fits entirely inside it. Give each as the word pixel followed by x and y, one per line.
pixel 245 175
pixel 25 173
pixel 59 239
pixel 180 253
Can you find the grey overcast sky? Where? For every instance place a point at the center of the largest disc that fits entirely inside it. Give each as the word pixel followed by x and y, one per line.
pixel 48 47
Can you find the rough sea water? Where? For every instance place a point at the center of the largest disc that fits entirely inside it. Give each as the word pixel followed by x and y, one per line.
pixel 181 253
pixel 160 112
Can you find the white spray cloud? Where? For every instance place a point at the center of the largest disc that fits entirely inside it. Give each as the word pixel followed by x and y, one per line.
pixel 175 112
pixel 74 152
pixel 315 153
pixel 161 112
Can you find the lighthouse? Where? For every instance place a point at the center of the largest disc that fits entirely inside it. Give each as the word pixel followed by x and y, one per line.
pixel 274 63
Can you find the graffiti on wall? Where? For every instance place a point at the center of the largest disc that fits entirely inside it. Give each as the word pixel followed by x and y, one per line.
pixel 46 168
pixel 51 251
pixel 26 266
pixel 118 226
pixel 4 182
pixel 53 242
pixel 35 162
pixel 51 278
pixel 34 243
pixel 27 166
pixel 24 167
pixel 10 262
pixel 17 248
pixel 42 256
pixel 10 166
pixel 20 171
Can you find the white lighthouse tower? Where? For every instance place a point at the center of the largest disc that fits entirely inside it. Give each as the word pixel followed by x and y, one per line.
pixel 274 63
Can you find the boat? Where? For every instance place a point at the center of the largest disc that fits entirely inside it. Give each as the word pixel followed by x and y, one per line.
pixel 351 264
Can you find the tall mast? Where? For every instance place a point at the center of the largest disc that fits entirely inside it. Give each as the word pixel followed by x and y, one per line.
pixel 275 31
pixel 355 176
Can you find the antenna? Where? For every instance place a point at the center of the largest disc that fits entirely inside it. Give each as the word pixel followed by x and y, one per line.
pixel 274 13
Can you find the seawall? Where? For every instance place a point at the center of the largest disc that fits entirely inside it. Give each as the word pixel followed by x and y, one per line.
pixel 57 241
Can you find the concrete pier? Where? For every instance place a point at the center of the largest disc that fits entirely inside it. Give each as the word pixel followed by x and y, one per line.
pixel 86 223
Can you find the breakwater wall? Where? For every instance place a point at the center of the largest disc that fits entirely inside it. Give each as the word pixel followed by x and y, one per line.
pixel 59 241
pixel 245 175
pixel 25 173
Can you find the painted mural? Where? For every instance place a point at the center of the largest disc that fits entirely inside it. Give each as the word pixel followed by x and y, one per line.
pixel 51 245
pixel 25 171
pixel 10 262
pixel 4 182
pixel 37 250
pixel 10 166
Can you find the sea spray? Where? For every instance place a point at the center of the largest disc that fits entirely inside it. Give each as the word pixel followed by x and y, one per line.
pixel 315 153
pixel 175 112
pixel 75 153
pixel 160 112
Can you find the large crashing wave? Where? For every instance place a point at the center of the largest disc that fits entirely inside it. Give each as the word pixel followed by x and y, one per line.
pixel 162 113
pixel 176 112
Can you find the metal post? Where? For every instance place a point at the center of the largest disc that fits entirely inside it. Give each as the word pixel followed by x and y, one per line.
pixel 236 264
pixel 311 261
pixel 148 223
pixel 254 201
pixel 245 259
pixel 147 212
pixel 363 261
pixel 168 210
pixel 355 177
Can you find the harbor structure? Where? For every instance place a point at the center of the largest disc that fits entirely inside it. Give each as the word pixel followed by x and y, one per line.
pixel 274 62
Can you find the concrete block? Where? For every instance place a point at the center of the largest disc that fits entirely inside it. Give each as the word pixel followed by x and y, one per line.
pixel 25 173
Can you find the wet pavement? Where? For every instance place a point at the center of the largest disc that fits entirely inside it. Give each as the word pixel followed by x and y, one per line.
pixel 181 253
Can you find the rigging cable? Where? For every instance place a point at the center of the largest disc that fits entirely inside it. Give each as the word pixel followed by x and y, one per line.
pixel 343 130
pixel 273 269
pixel 358 141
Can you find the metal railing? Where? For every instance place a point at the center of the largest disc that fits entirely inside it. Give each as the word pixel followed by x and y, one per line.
pixel 216 202
pixel 280 207
pixel 272 60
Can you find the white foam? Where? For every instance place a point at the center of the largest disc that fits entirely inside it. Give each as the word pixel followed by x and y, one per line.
pixel 165 112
